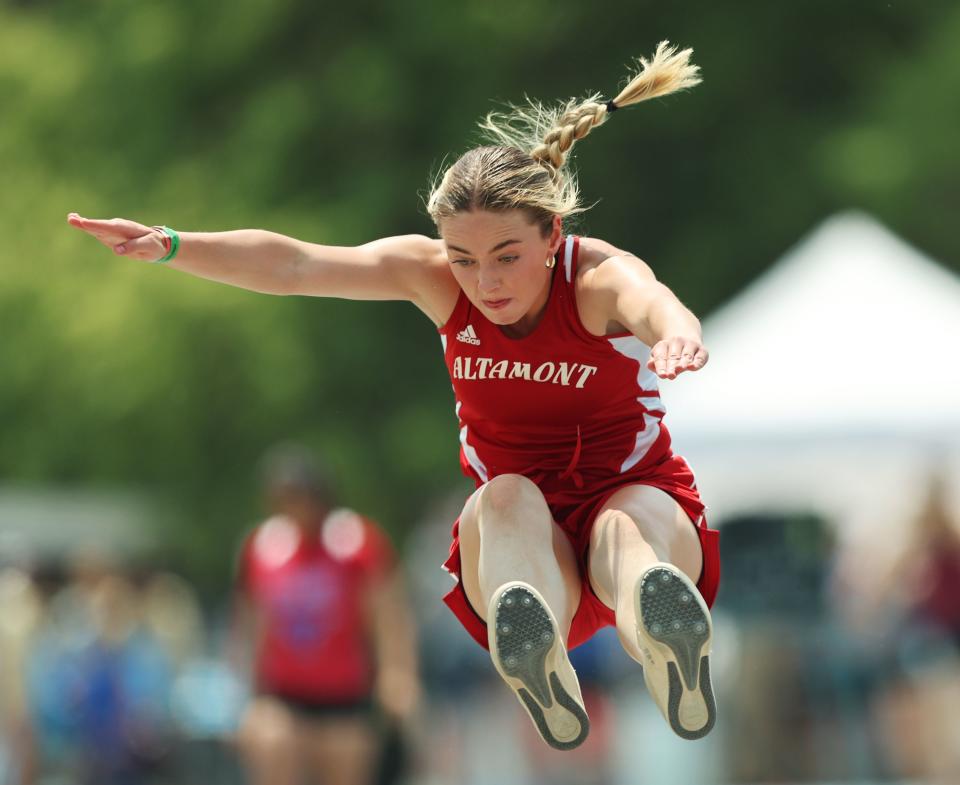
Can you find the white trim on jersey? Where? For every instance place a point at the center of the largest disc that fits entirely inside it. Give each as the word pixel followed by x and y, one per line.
pixel 472 458
pixel 645 440
pixel 443 340
pixel 632 347
pixel 468 450
pixel 654 404
pixel 568 259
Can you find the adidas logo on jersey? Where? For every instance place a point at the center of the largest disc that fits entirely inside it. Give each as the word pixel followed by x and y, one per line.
pixel 468 335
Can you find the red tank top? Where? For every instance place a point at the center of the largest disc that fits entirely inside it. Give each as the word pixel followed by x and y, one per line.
pixel 309 597
pixel 574 412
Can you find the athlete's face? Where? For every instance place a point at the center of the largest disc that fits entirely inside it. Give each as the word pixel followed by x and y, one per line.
pixel 499 260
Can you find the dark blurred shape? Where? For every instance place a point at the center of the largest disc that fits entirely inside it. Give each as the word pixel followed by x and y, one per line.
pixel 803 685
pixel 290 471
pixel 774 566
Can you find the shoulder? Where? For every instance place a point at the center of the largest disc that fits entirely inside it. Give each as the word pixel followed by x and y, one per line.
pixel 604 273
pixel 266 547
pixel 422 263
pixel 413 251
pixel 354 538
pixel 599 263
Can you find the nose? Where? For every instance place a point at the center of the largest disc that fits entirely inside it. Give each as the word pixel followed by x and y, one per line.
pixel 488 282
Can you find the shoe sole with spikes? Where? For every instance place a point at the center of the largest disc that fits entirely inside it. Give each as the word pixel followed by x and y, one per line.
pixel 674 631
pixel 530 656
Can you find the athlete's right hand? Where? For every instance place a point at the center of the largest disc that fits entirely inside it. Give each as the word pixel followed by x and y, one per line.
pixel 123 237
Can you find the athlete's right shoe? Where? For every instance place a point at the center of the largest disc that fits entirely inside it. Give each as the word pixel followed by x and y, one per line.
pixel 530 655
pixel 674 632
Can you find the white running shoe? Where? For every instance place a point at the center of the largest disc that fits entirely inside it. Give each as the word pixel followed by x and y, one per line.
pixel 674 632
pixel 529 654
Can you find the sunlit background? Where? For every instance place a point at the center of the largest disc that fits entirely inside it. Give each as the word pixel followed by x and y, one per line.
pixel 803 201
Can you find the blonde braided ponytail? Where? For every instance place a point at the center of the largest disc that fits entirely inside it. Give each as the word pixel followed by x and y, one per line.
pixel 536 137
pixel 668 72
pixel 575 124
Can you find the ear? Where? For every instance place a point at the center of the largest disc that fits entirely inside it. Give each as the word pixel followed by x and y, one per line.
pixel 556 234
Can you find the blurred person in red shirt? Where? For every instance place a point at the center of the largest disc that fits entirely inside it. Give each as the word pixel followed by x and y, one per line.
pixel 320 597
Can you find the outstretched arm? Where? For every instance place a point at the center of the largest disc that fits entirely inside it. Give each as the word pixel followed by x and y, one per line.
pixel 632 296
pixel 393 268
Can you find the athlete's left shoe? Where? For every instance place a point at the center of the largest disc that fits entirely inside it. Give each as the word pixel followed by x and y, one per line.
pixel 674 632
pixel 529 653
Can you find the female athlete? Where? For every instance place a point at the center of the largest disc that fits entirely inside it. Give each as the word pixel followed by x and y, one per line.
pixel 583 517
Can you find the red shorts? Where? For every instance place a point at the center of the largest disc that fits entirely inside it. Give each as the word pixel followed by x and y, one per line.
pixel 671 475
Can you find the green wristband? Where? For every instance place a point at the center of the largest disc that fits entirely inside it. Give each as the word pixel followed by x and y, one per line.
pixel 174 243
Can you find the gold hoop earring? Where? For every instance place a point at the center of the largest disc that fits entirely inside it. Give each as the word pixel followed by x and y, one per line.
pixel 551 261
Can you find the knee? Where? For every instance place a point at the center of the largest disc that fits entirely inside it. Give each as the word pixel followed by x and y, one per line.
pixel 508 492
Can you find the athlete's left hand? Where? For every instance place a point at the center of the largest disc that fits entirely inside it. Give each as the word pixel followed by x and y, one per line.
pixel 672 356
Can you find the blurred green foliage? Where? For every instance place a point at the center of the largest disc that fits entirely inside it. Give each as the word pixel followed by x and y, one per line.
pixel 324 121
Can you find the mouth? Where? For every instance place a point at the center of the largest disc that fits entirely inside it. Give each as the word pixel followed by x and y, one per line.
pixel 495 305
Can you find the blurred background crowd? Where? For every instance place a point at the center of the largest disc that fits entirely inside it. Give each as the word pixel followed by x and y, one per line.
pixel 802 201
pixel 329 659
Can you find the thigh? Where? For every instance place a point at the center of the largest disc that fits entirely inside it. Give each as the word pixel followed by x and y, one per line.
pixel 267 722
pixel 339 750
pixel 267 738
pixel 655 516
pixel 470 544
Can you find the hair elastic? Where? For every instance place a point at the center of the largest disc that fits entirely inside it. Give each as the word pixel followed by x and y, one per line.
pixel 611 107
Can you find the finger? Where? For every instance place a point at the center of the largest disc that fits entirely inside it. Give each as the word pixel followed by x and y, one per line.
pixel 658 357
pixel 83 224
pixel 700 358
pixel 673 356
pixel 101 230
pixel 689 351
pixel 75 219
pixel 119 228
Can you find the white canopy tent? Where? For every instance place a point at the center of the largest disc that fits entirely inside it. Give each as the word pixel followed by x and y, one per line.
pixel 832 385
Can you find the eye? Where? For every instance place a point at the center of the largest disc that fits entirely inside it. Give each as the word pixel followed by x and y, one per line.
pixel 462 262
pixel 508 259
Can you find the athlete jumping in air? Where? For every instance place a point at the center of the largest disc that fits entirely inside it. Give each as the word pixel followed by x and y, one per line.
pixel 583 517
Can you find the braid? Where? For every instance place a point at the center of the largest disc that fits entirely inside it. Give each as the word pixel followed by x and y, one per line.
pixel 526 165
pixel 572 126
pixel 668 72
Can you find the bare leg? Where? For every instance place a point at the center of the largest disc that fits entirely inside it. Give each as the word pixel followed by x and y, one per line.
pixel 507 534
pixel 520 573
pixel 638 527
pixel 645 558
pixel 340 751
pixel 268 743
